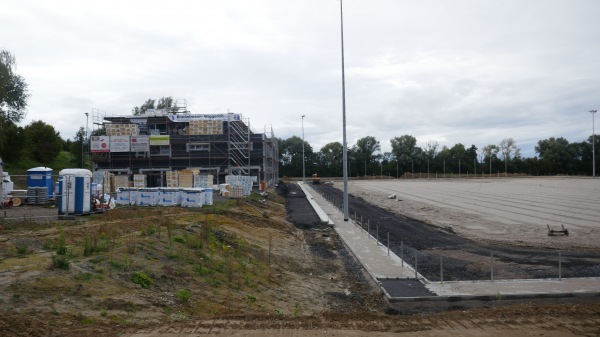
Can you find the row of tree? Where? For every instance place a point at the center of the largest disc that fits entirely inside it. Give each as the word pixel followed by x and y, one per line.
pixel 41 143
pixel 365 158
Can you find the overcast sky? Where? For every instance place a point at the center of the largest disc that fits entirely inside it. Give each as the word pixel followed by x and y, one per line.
pixel 470 72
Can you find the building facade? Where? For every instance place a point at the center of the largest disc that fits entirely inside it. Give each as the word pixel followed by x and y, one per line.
pixel 159 141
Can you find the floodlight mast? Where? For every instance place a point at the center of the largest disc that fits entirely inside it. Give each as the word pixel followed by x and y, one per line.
pixel 303 161
pixel 593 112
pixel 345 146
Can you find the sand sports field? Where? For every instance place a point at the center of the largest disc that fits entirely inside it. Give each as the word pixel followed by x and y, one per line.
pixel 509 210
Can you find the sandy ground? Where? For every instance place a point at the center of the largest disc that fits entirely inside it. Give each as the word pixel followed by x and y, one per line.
pixel 512 210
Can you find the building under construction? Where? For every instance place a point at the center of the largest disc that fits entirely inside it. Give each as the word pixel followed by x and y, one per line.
pixel 157 143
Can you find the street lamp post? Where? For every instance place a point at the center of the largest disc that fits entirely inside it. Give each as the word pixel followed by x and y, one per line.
pixel 345 165
pixel 303 161
pixel 593 112
pixel 86 133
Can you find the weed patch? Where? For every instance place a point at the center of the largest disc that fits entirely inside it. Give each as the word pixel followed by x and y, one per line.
pixel 142 279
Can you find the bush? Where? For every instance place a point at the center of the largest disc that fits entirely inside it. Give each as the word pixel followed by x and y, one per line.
pixel 142 279
pixel 61 262
pixel 22 248
pixel 61 245
pixel 184 295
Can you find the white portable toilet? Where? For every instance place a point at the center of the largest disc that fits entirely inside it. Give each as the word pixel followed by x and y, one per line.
pixel 75 191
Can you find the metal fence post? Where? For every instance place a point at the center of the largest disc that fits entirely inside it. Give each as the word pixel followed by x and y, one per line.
pixel 492 266
pixel 441 269
pixel 402 252
pixel 559 267
pixel 416 265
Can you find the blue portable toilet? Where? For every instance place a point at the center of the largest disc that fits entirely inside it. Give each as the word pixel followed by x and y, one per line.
pixel 40 177
pixel 75 191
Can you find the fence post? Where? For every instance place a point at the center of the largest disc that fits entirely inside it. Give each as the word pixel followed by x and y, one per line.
pixel 492 266
pixel 377 231
pixel 402 252
pixel 388 243
pixel 559 267
pixel 416 265
pixel 441 269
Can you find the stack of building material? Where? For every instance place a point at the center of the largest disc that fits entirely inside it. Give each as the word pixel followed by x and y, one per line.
pixel 126 196
pixel 139 180
pixel 203 180
pixel 146 196
pixel 244 181
pixel 205 127
pixel 186 178
pixel 172 179
pixel 169 196
pixel 237 192
pixel 118 182
pixel 193 197
pixel 121 129
pixel 208 196
pixel 107 181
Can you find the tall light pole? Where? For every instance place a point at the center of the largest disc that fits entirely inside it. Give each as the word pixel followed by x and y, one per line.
pixel 345 165
pixel 593 112
pixel 86 133
pixel 303 161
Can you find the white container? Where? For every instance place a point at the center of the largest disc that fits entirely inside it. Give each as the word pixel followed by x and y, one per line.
pixel 75 191
pixel 208 196
pixel 126 196
pixel 169 196
pixel 192 197
pixel 146 197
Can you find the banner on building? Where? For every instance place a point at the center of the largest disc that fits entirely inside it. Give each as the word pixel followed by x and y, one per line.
pixel 159 140
pixel 100 144
pixel 119 144
pixel 204 117
pixel 140 144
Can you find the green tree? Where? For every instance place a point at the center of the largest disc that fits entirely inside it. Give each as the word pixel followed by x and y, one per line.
pixel 42 142
pixel 13 95
pixel 290 157
pixel 162 103
pixel 77 148
pixel 365 149
pixel 405 150
pixel 330 159
pixel 489 154
pixel 14 138
pixel 508 148
pixel 557 154
pixel 149 104
pixel 165 103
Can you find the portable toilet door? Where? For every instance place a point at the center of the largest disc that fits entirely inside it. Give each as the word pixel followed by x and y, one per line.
pixel 75 191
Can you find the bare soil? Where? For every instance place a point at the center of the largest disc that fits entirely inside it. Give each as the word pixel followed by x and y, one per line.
pixel 464 257
pixel 261 266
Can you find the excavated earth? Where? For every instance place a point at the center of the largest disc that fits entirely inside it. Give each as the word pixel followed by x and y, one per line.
pixel 300 279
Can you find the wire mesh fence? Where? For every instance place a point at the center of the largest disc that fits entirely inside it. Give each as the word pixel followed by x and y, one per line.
pixel 475 262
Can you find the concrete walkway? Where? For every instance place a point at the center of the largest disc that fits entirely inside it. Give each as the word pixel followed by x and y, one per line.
pixel 381 263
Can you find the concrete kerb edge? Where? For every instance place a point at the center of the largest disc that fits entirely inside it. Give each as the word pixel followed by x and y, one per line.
pixel 322 215
pixel 488 298
pixel 373 277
